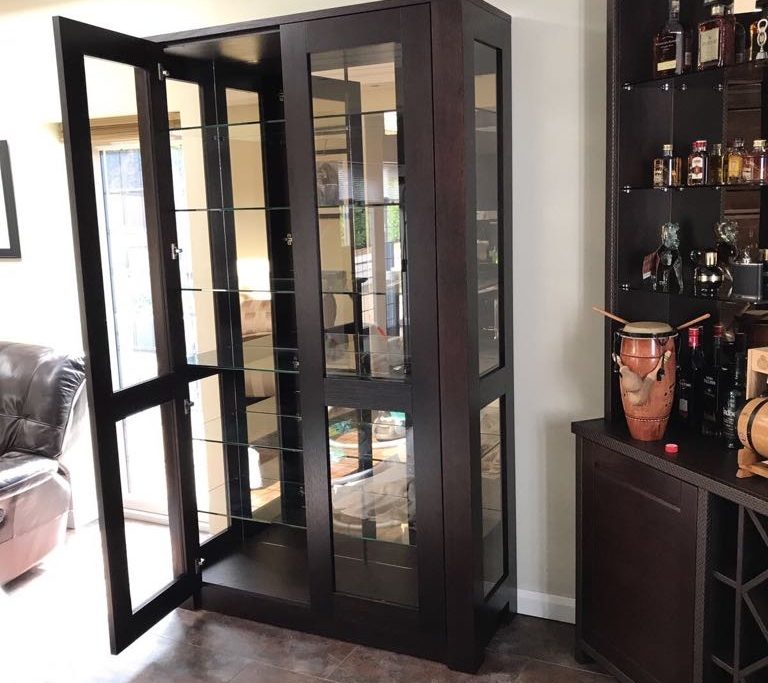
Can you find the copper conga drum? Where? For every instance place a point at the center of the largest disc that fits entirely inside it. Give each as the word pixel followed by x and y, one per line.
pixel 647 363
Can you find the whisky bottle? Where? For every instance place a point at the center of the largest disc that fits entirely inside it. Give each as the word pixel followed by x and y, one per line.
pixel 758 35
pixel 698 163
pixel 734 163
pixel 667 170
pixel 734 401
pixel 716 165
pixel 717 37
pixel 710 395
pixel 669 45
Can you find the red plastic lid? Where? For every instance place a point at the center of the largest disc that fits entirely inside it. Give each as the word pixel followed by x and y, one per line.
pixel 671 448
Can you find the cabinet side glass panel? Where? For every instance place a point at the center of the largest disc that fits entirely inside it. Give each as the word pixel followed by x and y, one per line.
pixel 360 175
pixel 487 207
pixel 492 498
pixel 373 502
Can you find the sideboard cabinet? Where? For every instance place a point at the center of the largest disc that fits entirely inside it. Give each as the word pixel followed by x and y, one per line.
pixel 294 248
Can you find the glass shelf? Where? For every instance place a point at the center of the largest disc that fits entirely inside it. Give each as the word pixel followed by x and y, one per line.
pixel 685 188
pixel 342 115
pixel 687 294
pixel 266 505
pixel 352 205
pixel 278 286
pixel 750 71
pixel 256 355
pixel 262 432
pixel 214 126
pixel 234 209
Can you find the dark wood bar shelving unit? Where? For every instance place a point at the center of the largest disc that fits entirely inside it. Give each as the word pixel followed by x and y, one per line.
pixel 322 261
pixel 672 550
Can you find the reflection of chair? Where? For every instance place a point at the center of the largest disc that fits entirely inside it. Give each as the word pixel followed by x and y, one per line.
pixel 256 321
pixel 41 407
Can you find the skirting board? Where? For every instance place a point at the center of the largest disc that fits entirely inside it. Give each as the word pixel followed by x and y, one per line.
pixel 545 606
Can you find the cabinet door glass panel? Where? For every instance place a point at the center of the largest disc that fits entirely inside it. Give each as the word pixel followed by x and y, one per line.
pixel 373 501
pixel 118 179
pixel 360 183
pixel 140 440
pixel 492 499
pixel 487 217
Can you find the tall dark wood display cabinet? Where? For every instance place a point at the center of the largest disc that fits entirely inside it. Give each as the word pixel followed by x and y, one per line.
pixel 295 277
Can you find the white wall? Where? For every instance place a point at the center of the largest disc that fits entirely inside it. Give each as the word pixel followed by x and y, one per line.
pixel 559 124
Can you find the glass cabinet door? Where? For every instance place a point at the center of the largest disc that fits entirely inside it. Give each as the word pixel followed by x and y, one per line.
pixel 359 133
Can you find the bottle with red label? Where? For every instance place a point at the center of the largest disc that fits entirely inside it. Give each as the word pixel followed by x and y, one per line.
pixel 698 164
pixel 689 381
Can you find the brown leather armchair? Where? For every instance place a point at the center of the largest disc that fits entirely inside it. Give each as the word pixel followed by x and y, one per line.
pixel 41 398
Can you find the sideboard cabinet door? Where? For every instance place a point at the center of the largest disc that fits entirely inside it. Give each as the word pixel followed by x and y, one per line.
pixel 638 563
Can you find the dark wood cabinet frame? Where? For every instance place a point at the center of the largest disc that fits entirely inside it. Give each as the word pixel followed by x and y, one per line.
pixel 444 392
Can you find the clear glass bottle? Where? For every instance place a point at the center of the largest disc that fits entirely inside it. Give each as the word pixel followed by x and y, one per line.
pixel 669 45
pixel 717 39
pixel 698 164
pixel 734 163
pixel 758 35
pixel 667 170
pixel 758 162
pixel 716 165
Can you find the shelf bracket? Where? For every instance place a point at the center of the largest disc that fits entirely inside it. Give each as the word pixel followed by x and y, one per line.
pixel 188 406
pixel 162 72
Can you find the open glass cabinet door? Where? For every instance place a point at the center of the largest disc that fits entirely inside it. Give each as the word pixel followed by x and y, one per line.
pixel 125 234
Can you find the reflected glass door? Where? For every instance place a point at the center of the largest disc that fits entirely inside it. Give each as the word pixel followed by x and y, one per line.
pixel 360 177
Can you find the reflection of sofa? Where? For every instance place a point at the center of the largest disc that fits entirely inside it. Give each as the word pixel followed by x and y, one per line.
pixel 41 408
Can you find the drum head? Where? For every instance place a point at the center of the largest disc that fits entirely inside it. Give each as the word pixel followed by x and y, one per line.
pixel 646 329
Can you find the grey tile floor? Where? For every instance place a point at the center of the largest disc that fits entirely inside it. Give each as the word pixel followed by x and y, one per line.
pixel 53 630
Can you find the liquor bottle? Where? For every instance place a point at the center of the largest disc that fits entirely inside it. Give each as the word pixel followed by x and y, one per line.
pixel 698 163
pixel 759 162
pixel 667 170
pixel 710 396
pixel 717 37
pixel 669 45
pixel 736 394
pixel 758 35
pixel 716 165
pixel 689 380
pixel 734 163
pixel 708 276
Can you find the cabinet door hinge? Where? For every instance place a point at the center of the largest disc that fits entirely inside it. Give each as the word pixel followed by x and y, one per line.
pixel 175 251
pixel 188 406
pixel 199 564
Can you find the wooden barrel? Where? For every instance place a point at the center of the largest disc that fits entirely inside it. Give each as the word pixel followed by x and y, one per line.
pixel 752 426
pixel 647 401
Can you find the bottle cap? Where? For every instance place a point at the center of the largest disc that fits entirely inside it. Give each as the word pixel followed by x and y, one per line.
pixel 717 148
pixel 718 329
pixel 718 10
pixel 710 258
pixel 694 334
pixel 759 144
pixel 668 149
pixel 763 252
pixel 671 448
pixel 702 144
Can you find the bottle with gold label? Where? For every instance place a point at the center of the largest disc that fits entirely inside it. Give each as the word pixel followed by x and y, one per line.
pixel 734 163
pixel 667 170
pixel 717 39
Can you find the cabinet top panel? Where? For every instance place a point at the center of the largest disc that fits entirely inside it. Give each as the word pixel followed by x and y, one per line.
pixel 271 23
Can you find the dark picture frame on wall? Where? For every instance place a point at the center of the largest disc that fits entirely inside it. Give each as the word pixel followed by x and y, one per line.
pixel 9 226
